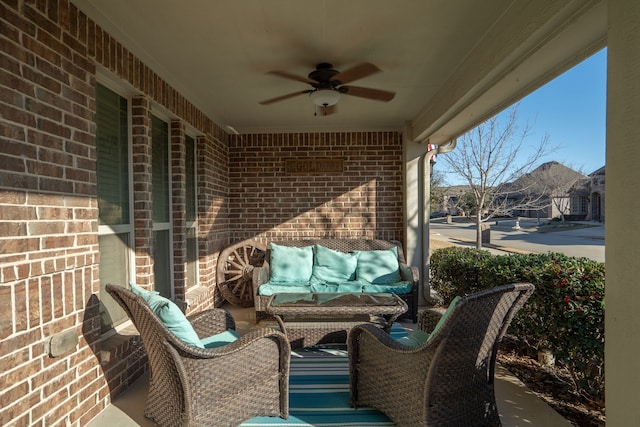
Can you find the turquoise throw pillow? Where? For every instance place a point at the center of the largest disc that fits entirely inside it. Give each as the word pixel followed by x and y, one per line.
pixel 444 317
pixel 415 338
pixel 333 266
pixel 418 337
pixel 141 292
pixel 290 264
pixel 174 319
pixel 221 339
pixel 378 267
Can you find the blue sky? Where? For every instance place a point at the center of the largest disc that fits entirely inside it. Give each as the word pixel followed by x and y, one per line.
pixel 571 109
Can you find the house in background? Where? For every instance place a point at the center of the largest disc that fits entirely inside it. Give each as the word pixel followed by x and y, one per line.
pixel 596 195
pixel 587 197
pixel 550 187
pixel 565 192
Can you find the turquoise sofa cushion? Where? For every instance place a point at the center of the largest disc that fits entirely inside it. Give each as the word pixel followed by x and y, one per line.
pixel 271 288
pixel 290 264
pixel 333 266
pixel 174 319
pixel 221 339
pixel 378 267
pixel 400 288
pixel 350 287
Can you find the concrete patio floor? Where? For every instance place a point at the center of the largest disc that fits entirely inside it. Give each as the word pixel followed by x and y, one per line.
pixel 518 406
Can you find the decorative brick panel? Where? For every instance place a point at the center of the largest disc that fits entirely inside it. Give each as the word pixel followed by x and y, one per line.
pixel 362 201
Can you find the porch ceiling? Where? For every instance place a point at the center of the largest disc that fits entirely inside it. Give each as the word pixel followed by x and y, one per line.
pixel 451 63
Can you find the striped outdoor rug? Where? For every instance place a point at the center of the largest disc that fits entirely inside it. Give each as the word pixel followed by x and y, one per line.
pixel 319 392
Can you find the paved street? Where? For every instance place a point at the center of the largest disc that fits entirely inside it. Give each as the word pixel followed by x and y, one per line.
pixel 581 242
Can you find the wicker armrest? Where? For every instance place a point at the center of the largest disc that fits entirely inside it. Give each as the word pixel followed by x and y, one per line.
pixel 409 273
pixel 382 338
pixel 243 344
pixel 429 317
pixel 210 322
pixel 260 276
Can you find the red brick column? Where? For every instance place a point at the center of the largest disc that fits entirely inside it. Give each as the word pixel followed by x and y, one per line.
pixel 178 206
pixel 142 185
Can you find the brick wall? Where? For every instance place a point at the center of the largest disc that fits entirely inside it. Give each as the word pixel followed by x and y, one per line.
pixel 362 198
pixel 49 259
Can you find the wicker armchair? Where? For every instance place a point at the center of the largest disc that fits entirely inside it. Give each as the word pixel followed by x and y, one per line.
pixel 447 381
pixel 190 386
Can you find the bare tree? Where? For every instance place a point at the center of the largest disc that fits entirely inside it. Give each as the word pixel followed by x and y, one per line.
pixel 554 182
pixel 437 189
pixel 489 158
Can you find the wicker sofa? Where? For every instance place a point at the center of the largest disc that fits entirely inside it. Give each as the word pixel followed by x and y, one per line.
pixel 262 274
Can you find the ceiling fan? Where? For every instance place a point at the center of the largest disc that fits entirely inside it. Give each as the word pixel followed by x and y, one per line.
pixel 329 84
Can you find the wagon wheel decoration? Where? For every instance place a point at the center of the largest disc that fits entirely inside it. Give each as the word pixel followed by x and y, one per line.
pixel 234 271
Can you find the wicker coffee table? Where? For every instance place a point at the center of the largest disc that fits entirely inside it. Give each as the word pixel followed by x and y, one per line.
pixel 309 319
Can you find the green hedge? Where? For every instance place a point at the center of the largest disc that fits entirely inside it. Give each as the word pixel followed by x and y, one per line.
pixel 565 313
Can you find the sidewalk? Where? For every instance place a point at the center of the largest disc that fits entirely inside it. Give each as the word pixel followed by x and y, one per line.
pixel 587 229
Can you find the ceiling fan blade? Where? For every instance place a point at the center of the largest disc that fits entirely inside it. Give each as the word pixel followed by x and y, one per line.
pixel 354 73
pixel 291 76
pixel 366 92
pixel 283 97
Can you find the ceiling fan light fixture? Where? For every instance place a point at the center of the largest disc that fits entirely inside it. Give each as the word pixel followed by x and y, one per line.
pixel 324 97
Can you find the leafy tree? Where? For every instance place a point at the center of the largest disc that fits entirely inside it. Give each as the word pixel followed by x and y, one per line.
pixel 489 158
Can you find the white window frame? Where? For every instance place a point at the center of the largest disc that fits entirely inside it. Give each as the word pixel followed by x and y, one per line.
pixel 159 114
pixel 193 224
pixel 105 230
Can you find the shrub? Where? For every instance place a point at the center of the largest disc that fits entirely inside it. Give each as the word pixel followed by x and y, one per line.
pixel 565 313
pixel 456 271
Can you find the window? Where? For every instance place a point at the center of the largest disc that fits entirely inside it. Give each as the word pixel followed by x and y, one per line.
pixel 584 202
pixel 191 212
pixel 160 198
pixel 115 228
pixel 579 205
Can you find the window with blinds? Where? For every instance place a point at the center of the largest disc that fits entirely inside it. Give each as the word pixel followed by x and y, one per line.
pixel 115 229
pixel 112 157
pixel 160 170
pixel 191 212
pixel 160 198
pixel 190 172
